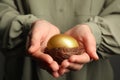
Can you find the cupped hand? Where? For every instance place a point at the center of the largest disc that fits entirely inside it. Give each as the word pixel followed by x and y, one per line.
pixel 40 33
pixel 84 36
pixel 86 40
pixel 74 63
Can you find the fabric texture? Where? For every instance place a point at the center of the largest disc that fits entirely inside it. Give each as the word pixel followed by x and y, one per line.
pixel 16 17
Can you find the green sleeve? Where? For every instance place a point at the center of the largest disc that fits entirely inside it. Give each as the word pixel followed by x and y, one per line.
pixel 13 25
pixel 106 29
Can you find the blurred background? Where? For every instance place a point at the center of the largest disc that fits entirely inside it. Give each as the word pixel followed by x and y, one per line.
pixel 2 61
pixel 115 61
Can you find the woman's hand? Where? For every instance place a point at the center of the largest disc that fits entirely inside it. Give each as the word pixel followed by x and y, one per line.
pixel 39 35
pixel 85 38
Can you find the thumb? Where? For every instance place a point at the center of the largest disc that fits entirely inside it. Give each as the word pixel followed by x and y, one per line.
pixel 90 46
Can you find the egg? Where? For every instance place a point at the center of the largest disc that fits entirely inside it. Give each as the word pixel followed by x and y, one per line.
pixel 62 46
pixel 62 41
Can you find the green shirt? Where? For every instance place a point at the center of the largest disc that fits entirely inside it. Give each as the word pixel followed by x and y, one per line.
pixel 102 16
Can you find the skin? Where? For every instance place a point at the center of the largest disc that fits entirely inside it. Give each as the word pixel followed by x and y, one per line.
pixel 84 36
pixel 42 31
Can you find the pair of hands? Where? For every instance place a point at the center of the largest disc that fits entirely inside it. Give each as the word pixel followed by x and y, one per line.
pixel 42 31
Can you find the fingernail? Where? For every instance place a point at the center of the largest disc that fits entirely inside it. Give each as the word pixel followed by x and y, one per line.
pixel 55 74
pixel 96 56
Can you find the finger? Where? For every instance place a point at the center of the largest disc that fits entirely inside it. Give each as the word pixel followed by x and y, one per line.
pixel 63 71
pixel 75 66
pixel 63 67
pixel 80 59
pixel 38 35
pixel 90 47
pixel 54 66
pixel 42 57
pixel 35 41
pixel 65 64
pixel 55 74
pixel 54 69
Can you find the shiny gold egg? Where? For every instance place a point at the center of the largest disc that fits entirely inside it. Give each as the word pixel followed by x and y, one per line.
pixel 62 41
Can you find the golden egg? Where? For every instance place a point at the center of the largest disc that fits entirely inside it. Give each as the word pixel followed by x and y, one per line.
pixel 62 41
